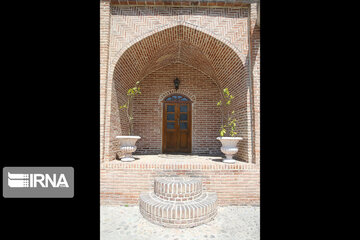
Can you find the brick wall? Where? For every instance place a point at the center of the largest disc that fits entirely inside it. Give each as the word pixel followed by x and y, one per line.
pixel 255 75
pixel 122 183
pixel 104 57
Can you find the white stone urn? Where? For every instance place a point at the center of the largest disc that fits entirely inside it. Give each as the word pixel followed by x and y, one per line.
pixel 229 147
pixel 127 146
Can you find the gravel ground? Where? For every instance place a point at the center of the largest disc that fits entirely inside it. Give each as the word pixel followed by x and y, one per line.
pixel 233 223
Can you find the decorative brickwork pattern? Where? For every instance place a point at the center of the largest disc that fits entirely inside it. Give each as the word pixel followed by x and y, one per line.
pixel 187 93
pixel 189 208
pixel 225 71
pixel 177 189
pixel 131 24
pixel 144 39
pixel 182 3
pixel 218 38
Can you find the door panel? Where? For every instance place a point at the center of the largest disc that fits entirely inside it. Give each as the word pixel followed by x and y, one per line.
pixel 171 127
pixel 184 128
pixel 177 127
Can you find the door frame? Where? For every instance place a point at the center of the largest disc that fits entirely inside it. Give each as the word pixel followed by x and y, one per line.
pixel 190 104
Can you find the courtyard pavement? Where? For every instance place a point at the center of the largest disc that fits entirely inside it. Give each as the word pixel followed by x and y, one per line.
pixel 231 223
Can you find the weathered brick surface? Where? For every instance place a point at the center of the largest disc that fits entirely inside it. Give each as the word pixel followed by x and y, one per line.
pixel 181 213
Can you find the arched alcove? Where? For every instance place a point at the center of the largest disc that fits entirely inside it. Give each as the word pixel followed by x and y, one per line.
pixel 204 64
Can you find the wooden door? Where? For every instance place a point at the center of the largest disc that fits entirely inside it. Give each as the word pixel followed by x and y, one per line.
pixel 177 125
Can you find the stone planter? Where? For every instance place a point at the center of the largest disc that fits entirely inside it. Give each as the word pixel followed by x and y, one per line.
pixel 127 146
pixel 229 147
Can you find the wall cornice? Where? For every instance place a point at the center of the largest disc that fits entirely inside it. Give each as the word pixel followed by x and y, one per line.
pixel 187 3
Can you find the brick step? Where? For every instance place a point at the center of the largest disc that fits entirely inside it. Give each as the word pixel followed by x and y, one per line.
pixel 178 214
pixel 178 188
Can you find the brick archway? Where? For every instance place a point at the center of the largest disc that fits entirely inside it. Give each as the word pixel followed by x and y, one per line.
pixel 173 24
pixel 184 44
pixel 187 93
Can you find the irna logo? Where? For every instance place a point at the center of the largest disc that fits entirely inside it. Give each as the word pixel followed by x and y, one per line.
pixel 38 182
pixel 16 180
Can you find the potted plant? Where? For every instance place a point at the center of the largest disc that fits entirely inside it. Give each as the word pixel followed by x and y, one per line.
pixel 227 131
pixel 127 143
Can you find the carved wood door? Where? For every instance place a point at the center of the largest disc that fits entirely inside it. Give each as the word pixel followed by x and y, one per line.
pixel 177 124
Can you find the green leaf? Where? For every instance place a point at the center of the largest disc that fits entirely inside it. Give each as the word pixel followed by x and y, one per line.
pixel 130 92
pixel 219 103
pixel 123 106
pixel 222 132
pixel 232 133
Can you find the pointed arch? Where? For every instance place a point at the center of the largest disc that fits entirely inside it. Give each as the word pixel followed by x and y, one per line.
pixel 187 44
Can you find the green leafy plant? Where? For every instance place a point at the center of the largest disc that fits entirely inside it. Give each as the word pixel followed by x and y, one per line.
pixel 230 125
pixel 128 106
